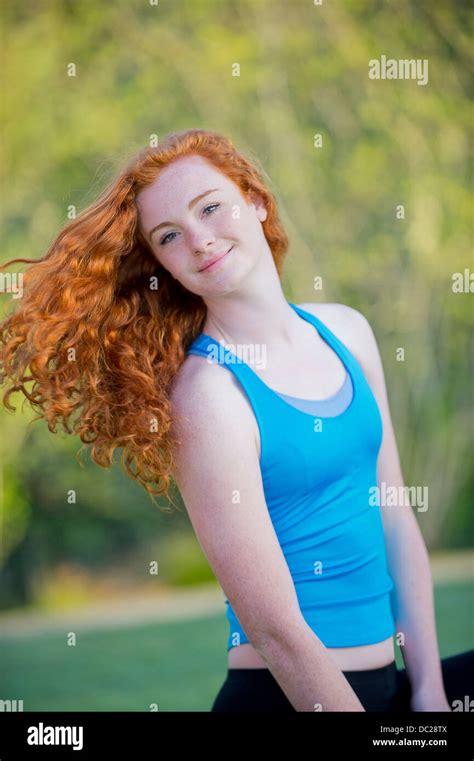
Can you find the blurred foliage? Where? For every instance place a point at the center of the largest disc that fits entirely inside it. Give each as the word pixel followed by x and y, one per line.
pixel 144 69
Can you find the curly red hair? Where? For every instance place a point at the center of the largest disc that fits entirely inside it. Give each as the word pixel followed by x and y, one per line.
pixel 99 340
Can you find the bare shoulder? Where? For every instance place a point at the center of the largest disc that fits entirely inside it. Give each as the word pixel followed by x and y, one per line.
pixel 197 378
pixel 337 314
pixel 207 391
pixel 349 325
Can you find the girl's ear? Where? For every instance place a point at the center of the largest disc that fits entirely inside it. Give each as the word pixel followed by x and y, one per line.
pixel 259 204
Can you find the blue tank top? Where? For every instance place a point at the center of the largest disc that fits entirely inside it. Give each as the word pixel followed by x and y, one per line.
pixel 317 471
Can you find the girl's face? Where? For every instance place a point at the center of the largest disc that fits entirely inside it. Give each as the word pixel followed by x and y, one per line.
pixel 193 214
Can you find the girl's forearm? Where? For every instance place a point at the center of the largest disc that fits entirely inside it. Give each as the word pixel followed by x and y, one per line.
pixel 413 597
pixel 306 673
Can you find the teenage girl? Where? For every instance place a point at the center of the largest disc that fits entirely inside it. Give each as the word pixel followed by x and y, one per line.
pixel 271 417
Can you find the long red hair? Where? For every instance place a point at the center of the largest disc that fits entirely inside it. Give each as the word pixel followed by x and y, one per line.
pixel 103 328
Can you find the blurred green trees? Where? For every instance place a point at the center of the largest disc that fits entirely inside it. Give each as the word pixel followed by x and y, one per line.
pixel 145 69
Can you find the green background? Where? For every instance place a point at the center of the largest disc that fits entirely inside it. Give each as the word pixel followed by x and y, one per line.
pixel 142 71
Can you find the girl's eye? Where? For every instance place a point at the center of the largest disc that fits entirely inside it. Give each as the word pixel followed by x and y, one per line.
pixel 164 239
pixel 212 205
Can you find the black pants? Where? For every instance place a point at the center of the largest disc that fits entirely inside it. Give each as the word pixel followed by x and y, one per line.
pixel 384 689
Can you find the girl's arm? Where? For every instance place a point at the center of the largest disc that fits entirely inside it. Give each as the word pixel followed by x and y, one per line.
pixel 217 471
pixel 407 555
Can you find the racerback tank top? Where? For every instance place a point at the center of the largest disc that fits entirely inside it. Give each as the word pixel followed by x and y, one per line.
pixel 317 474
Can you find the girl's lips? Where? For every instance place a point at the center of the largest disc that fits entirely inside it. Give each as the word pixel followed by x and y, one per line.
pixel 216 262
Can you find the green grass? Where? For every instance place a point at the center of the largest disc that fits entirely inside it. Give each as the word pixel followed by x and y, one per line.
pixel 179 666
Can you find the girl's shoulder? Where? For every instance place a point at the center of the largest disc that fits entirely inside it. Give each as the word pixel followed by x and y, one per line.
pixel 348 324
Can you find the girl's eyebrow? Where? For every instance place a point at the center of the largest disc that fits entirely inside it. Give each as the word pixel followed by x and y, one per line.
pixel 190 206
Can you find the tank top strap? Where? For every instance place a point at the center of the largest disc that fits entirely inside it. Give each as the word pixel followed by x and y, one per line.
pixel 342 351
pixel 261 396
pixel 215 352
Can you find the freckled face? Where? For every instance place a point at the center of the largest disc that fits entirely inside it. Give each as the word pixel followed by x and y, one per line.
pixel 201 226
